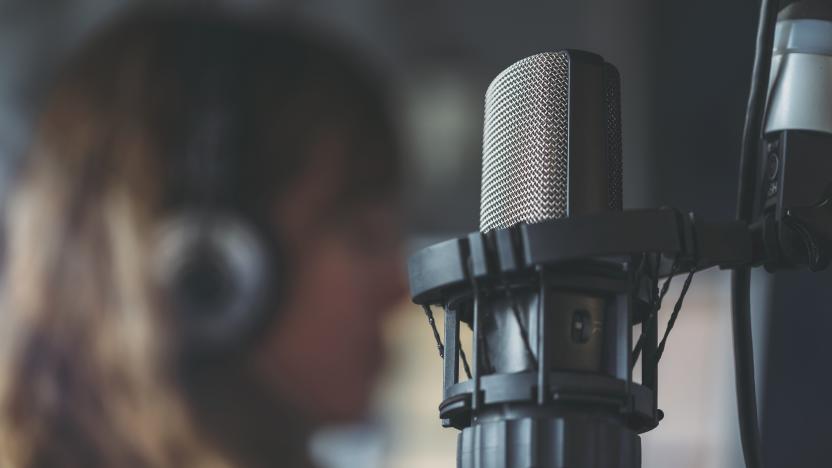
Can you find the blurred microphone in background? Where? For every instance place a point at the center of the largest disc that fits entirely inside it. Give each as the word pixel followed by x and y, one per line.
pixel 203 243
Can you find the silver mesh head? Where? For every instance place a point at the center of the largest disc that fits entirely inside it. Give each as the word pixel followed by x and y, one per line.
pixel 525 137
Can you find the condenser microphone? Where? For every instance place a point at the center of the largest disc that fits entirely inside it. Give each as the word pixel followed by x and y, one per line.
pixel 551 364
pixel 551 149
pixel 795 164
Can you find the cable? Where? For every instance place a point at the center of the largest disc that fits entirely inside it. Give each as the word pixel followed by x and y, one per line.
pixel 744 367
pixel 481 340
pixel 656 304
pixel 523 332
pixel 432 322
pixel 676 308
pixel 440 346
pixel 741 277
pixel 814 256
pixel 465 365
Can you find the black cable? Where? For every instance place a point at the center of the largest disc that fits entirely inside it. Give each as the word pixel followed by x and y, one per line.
pixel 673 270
pixel 432 322
pixel 741 277
pixel 523 332
pixel 744 367
pixel 814 255
pixel 465 365
pixel 656 304
pixel 439 345
pixel 483 344
pixel 676 308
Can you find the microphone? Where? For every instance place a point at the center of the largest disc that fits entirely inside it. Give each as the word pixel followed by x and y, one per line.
pixel 796 184
pixel 551 383
pixel 551 149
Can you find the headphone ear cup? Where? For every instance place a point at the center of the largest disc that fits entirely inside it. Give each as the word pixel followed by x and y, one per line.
pixel 219 278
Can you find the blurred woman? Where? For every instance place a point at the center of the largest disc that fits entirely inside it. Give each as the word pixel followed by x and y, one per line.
pixel 120 348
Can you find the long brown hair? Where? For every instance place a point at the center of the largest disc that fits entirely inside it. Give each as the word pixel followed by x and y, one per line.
pixel 85 374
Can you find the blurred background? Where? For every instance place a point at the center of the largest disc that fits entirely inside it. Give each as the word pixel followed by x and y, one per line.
pixel 685 69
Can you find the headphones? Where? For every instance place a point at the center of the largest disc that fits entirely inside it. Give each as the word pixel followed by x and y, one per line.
pixel 220 272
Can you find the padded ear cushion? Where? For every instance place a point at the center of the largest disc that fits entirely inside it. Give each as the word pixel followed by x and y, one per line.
pixel 222 279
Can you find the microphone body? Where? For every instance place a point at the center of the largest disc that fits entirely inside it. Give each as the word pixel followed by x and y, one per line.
pixel 552 349
pixel 795 168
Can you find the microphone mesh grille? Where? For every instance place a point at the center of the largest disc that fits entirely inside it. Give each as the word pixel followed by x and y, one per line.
pixel 612 93
pixel 525 138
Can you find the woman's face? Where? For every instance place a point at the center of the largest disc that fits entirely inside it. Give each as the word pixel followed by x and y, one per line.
pixel 324 352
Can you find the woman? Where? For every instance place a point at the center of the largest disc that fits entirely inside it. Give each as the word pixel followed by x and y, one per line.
pixel 167 117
